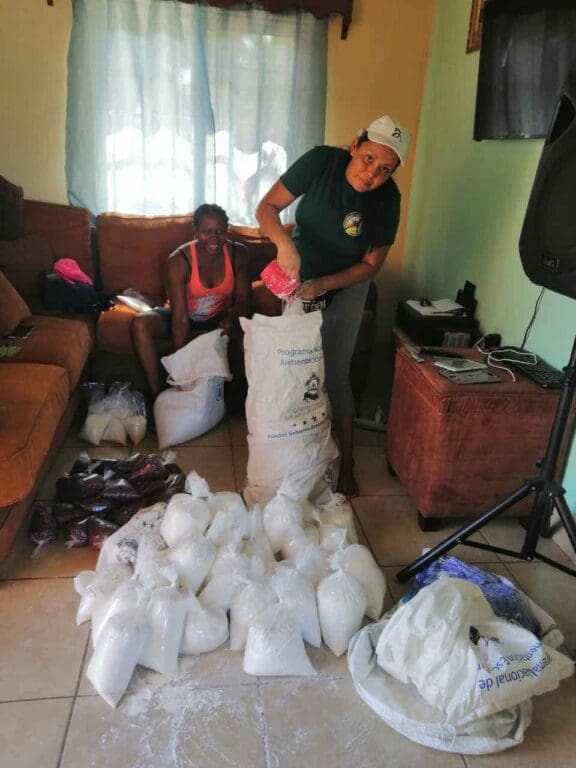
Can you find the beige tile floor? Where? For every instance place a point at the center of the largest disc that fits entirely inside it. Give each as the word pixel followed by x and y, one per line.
pixel 214 715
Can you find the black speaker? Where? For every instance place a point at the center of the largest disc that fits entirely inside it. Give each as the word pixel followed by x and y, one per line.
pixel 548 238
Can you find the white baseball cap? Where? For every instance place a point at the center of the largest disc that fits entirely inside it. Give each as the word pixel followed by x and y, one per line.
pixel 388 131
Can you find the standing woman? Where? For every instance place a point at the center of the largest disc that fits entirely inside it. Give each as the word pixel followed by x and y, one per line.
pixel 208 287
pixel 346 222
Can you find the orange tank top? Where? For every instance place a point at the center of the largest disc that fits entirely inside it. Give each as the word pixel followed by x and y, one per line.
pixel 206 303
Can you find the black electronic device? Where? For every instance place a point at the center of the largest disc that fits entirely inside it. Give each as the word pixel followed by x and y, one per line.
pixel 442 330
pixel 438 352
pixel 20 332
pixel 548 238
pixel 534 368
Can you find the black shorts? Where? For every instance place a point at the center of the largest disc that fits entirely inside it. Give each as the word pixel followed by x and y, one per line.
pixel 166 315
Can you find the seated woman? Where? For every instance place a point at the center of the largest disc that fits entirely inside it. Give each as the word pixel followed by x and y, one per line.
pixel 208 287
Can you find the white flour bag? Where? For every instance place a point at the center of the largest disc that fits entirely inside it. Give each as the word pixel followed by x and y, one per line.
pixel 194 402
pixel 287 410
pixel 275 646
pixel 341 608
pixel 357 561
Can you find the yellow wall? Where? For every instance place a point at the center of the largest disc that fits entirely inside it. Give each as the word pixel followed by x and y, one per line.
pixel 380 68
pixel 33 48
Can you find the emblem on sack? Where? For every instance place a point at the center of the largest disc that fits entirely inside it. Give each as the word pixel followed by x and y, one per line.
pixel 312 388
pixel 352 224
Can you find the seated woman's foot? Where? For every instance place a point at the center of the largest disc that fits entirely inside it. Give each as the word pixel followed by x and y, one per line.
pixel 347 484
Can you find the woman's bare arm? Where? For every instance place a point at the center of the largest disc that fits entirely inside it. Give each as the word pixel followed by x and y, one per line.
pixel 268 215
pixel 177 279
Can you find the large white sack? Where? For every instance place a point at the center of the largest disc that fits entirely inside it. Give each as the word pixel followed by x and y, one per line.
pixel 299 596
pixel 338 511
pixel 182 415
pixel 246 606
pixel 166 612
pixel 402 708
pixel 287 410
pixel 274 645
pixel 205 628
pixel 462 659
pixel 357 561
pixel 127 596
pixel 94 587
pixel 184 514
pixel 202 358
pixel 193 558
pixel 341 608
pixel 117 653
pixel 280 516
pixel 122 545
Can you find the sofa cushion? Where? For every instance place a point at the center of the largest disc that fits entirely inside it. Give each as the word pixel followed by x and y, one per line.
pixel 32 401
pixel 22 261
pixel 113 330
pixel 56 341
pixel 132 251
pixel 11 210
pixel 65 227
pixel 13 308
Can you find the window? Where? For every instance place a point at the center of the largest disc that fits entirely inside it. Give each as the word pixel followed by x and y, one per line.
pixel 171 105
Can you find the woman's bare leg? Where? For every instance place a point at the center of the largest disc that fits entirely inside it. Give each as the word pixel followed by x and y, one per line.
pixel 146 328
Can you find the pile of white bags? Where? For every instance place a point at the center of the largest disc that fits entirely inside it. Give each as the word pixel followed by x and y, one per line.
pixel 116 415
pixel 445 671
pixel 194 402
pixel 287 411
pixel 166 582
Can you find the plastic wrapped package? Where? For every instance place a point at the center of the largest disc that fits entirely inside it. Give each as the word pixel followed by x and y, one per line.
pixel 341 608
pixel 117 653
pixel 113 415
pixel 255 542
pixel 166 611
pixel 77 533
pixel 43 529
pixel 274 645
pixel 96 505
pixel 126 597
pixel 226 501
pixel 149 466
pixel 99 530
pixel 193 558
pixel 298 595
pixel 246 606
pixel 228 526
pixel 157 571
pixel 81 486
pixel 312 562
pixel 331 538
pixel 222 589
pixel 120 491
pixel 122 546
pixel 184 515
pixel 196 486
pixel 297 537
pixel 357 561
pixel 205 627
pixel 280 515
pixel 337 511
pixel 94 587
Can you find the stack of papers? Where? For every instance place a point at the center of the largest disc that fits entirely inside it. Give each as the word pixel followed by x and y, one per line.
pixel 439 307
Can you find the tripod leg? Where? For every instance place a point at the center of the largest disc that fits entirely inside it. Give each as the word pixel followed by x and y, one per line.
pixel 567 519
pixel 540 514
pixel 464 532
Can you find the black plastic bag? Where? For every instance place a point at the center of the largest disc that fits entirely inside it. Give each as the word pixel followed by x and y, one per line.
pixel 80 486
pixel 43 528
pixel 99 530
pixel 120 491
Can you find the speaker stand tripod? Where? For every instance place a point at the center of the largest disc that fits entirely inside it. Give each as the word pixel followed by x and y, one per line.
pixel 549 494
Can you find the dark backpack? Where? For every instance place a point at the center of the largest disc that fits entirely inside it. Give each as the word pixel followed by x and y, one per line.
pixel 59 296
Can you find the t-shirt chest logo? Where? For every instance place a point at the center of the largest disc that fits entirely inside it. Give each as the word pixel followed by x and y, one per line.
pixel 352 224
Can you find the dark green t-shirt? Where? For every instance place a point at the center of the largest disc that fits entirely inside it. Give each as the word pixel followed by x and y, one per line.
pixel 329 234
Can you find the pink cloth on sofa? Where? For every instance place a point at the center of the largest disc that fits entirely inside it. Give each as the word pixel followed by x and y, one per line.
pixel 71 272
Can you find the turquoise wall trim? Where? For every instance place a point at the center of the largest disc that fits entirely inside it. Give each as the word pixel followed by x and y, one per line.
pixel 467 207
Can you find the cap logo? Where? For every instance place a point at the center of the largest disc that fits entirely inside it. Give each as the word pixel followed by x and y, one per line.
pixel 397 133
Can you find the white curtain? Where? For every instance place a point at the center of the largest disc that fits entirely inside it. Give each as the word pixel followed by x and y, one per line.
pixel 171 105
